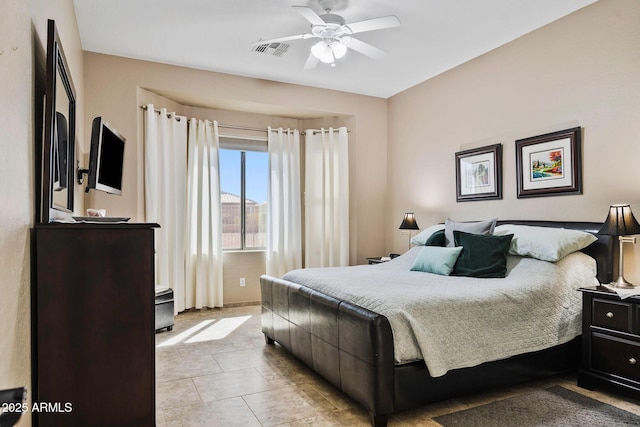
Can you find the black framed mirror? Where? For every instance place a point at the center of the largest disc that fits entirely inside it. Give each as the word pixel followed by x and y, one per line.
pixel 58 145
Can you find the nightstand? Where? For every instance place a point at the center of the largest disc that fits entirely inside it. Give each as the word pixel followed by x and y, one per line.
pixel 610 340
pixel 380 259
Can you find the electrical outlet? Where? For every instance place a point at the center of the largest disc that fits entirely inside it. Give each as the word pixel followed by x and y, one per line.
pixel 242 282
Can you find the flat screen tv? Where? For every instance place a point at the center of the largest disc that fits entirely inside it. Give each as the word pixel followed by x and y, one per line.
pixel 106 158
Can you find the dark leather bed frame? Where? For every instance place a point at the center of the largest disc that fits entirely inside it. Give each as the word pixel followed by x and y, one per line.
pixel 353 347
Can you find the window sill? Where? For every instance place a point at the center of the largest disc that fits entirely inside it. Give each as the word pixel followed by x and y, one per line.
pixel 242 251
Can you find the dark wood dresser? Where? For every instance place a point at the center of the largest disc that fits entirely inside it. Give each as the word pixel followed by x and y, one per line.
pixel 610 341
pixel 93 325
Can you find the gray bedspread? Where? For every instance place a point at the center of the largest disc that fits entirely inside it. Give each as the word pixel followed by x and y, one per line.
pixel 456 322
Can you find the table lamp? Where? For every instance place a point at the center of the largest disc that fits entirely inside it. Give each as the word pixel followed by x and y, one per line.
pixel 409 223
pixel 621 222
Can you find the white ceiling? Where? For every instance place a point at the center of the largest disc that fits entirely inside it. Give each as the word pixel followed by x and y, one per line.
pixel 216 35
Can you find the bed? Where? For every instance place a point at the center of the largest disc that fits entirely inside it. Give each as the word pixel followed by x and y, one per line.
pixel 352 338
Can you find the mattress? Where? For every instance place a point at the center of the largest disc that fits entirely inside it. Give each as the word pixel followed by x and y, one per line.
pixel 454 322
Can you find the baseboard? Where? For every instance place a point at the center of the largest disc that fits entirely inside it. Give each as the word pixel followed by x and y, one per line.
pixel 241 304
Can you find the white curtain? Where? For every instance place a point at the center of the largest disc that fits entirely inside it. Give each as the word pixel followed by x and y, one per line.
pixel 326 198
pixel 284 229
pixel 203 257
pixel 165 143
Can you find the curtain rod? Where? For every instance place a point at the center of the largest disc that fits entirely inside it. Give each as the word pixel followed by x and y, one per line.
pixel 314 131
pixel 145 107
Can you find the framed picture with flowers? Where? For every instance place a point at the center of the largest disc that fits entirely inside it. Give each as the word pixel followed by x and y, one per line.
pixel 549 164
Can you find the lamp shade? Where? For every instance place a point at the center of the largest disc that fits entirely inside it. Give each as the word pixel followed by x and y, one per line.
pixel 409 222
pixel 620 222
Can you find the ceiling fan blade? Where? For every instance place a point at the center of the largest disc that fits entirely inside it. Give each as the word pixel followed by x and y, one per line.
pixel 363 48
pixel 312 62
pixel 283 39
pixel 374 24
pixel 309 15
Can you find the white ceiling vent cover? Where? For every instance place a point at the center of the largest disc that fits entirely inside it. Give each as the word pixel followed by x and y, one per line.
pixel 275 49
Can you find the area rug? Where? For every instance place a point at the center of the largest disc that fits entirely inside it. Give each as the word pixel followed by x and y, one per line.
pixel 555 406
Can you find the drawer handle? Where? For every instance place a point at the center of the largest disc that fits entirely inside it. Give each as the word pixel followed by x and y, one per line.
pixel 632 361
pixel 610 315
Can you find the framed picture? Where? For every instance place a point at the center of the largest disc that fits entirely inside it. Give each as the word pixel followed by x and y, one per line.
pixel 479 173
pixel 550 164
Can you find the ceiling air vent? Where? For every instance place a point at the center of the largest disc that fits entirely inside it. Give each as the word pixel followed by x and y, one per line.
pixel 275 49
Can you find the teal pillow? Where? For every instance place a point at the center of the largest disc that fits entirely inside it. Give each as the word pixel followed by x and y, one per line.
pixel 436 239
pixel 482 256
pixel 435 259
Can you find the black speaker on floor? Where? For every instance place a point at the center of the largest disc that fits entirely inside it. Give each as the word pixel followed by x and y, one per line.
pixel 164 309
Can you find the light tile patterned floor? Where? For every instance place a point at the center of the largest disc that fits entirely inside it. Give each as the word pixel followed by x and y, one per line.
pixel 214 369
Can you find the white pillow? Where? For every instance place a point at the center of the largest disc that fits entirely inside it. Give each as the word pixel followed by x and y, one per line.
pixel 421 238
pixel 475 227
pixel 544 243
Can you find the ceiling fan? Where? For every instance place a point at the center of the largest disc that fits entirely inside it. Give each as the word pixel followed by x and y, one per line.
pixel 335 35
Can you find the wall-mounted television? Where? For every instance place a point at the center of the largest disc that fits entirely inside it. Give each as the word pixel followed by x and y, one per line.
pixel 106 158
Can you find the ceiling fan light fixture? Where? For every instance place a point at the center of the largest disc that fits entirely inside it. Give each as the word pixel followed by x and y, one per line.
pixel 334 34
pixel 339 50
pixel 323 52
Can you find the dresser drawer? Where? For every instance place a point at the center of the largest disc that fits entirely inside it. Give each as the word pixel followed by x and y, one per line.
pixel 612 315
pixel 615 356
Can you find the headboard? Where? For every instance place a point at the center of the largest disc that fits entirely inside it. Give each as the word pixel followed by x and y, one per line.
pixel 601 250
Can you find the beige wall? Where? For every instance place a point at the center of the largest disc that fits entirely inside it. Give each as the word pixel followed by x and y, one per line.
pixel 114 90
pixel 16 201
pixel 23 39
pixel 579 71
pixel 249 265
pixel 582 70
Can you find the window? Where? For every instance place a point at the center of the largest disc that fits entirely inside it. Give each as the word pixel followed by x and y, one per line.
pixel 243 187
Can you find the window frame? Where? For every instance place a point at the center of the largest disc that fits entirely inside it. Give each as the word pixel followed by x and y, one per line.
pixel 243 144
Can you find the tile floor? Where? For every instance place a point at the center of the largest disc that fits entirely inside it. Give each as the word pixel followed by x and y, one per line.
pixel 214 369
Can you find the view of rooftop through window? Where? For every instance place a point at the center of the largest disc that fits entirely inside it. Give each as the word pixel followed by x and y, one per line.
pixel 254 166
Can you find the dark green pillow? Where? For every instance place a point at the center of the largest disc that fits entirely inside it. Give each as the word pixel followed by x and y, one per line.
pixel 482 255
pixel 436 239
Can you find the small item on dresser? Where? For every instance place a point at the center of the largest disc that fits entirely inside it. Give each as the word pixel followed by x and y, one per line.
pixel 97 212
pixel 101 219
pixel 623 292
